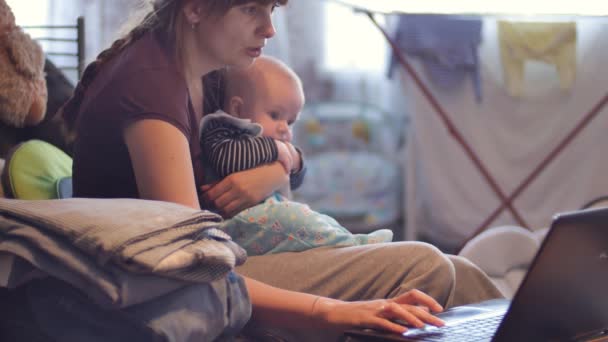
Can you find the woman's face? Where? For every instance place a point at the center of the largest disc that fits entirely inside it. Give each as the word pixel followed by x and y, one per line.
pixel 236 38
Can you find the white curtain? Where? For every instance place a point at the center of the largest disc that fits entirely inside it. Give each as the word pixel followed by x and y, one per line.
pixel 303 28
pixel 447 197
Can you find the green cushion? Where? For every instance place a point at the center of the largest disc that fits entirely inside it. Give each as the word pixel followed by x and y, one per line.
pixel 36 170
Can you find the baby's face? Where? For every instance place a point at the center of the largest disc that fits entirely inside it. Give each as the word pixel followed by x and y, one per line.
pixel 277 108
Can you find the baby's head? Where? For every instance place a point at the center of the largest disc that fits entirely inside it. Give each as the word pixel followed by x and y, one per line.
pixel 268 93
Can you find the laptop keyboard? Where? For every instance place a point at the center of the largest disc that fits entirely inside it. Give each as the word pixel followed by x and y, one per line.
pixel 481 329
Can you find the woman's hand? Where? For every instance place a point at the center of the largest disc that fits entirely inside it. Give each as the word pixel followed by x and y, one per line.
pixel 242 190
pixel 413 308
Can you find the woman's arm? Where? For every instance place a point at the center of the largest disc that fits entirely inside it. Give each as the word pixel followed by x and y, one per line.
pixel 282 308
pixel 242 190
pixel 164 172
pixel 162 164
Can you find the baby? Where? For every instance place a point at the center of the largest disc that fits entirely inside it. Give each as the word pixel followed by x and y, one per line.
pixel 262 103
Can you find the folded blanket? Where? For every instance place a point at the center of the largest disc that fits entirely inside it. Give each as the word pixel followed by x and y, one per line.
pixel 118 251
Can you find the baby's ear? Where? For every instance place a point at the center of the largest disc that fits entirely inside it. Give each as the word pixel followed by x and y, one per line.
pixel 235 106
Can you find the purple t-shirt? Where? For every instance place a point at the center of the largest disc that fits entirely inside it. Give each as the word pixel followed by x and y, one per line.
pixel 142 82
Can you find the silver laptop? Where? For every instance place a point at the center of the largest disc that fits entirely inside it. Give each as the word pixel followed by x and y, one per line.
pixel 564 296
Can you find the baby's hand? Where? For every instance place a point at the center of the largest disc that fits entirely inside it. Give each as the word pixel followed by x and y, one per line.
pixel 295 157
pixel 285 155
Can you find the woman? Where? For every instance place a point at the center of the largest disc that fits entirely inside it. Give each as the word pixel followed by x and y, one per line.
pixel 136 112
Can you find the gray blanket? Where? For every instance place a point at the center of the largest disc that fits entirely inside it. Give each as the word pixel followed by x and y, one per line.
pixel 120 252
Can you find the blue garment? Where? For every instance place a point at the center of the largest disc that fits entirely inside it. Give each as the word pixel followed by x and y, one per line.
pixel 446 45
pixel 280 225
pixel 48 309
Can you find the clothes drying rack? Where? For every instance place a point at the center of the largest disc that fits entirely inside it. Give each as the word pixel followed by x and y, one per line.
pixel 506 201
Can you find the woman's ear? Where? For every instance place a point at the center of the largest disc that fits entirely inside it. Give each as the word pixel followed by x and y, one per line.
pixel 193 11
pixel 235 106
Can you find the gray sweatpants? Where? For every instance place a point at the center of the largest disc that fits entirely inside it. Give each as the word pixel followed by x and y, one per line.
pixel 373 271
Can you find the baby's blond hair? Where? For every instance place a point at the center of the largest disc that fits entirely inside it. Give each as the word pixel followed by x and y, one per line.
pixel 252 79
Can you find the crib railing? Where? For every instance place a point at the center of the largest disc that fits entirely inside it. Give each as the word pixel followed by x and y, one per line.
pixel 63 44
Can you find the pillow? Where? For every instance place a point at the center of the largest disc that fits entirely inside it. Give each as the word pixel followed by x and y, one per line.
pixel 37 170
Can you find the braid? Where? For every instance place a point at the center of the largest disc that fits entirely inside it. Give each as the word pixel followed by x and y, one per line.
pixel 70 109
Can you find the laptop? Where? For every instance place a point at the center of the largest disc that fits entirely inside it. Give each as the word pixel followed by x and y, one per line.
pixel 563 297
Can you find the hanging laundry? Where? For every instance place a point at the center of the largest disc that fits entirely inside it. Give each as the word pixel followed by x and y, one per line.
pixel 446 45
pixel 553 43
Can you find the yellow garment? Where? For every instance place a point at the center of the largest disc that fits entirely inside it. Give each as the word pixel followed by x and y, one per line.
pixel 361 130
pixel 553 43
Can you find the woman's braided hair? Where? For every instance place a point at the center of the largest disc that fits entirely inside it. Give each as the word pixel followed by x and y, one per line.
pixel 161 18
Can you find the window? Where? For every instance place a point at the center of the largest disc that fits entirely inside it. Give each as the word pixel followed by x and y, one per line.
pixel 31 12
pixel 353 41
